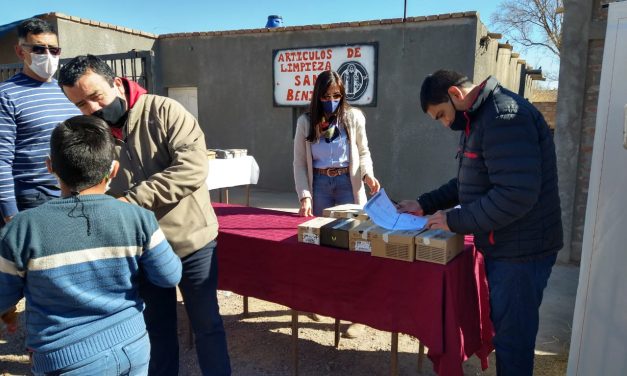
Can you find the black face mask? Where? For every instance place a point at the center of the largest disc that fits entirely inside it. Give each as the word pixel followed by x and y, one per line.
pixel 459 123
pixel 114 113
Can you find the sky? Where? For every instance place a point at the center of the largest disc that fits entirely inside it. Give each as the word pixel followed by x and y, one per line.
pixel 168 16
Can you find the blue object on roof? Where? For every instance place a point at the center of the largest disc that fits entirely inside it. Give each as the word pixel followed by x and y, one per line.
pixel 274 21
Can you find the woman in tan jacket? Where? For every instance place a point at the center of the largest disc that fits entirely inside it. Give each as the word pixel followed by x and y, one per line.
pixel 331 156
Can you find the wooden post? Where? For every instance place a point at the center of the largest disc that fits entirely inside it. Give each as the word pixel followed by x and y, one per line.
pixel 394 351
pixel 295 342
pixel 337 332
pixel 245 300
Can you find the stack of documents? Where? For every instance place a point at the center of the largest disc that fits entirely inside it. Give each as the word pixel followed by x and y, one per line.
pixel 383 212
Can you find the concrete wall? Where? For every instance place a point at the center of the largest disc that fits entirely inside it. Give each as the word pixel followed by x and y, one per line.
pixel 233 73
pixel 582 43
pixel 78 36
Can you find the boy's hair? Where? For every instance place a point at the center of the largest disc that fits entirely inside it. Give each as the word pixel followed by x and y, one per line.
pixel 81 151
pixel 34 26
pixel 435 86
pixel 78 66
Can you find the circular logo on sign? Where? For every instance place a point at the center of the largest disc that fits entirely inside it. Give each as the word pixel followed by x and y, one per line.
pixel 355 79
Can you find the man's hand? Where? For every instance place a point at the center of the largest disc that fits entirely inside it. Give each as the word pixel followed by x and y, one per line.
pixel 410 206
pixel 10 319
pixel 8 219
pixel 372 183
pixel 438 221
pixel 305 207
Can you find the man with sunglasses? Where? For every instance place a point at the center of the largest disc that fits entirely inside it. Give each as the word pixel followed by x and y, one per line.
pixel 31 105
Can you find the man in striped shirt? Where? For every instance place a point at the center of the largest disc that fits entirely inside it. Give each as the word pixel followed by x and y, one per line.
pixel 31 105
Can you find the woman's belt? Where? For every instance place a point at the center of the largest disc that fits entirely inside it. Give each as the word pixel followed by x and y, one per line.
pixel 331 171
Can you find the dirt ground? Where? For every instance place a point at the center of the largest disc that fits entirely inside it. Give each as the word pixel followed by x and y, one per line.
pixel 261 345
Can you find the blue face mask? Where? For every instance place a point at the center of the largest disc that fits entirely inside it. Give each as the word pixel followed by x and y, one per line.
pixel 329 107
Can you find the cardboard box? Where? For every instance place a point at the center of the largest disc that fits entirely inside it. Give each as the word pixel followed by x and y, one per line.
pixel 335 234
pixel 346 211
pixel 309 232
pixel 397 245
pixel 438 246
pixel 360 237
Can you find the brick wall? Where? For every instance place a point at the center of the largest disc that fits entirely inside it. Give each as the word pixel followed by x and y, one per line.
pixel 548 111
pixel 591 98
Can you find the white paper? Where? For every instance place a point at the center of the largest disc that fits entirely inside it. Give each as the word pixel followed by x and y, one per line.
pixel 383 212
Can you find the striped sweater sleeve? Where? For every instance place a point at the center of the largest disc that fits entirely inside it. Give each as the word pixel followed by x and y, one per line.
pixel 160 264
pixel 8 127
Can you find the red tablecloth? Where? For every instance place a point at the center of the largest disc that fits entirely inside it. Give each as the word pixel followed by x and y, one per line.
pixel 444 306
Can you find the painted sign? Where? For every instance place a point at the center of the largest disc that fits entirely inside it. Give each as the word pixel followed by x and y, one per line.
pixel 296 70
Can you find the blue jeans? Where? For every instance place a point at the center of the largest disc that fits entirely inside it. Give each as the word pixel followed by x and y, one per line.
pixel 199 289
pixel 516 290
pixel 331 191
pixel 129 358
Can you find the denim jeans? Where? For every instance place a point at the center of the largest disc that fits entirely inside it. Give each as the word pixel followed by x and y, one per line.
pixel 516 290
pixel 199 289
pixel 129 358
pixel 331 191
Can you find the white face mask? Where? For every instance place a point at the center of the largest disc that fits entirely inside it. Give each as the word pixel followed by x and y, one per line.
pixel 45 66
pixel 109 177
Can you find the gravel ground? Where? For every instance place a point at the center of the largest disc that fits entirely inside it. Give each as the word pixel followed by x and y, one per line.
pixel 261 345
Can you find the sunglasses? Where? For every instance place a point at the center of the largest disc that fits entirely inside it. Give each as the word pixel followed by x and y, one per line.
pixel 40 50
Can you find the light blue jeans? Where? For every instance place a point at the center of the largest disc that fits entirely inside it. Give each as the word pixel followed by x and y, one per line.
pixel 331 191
pixel 128 358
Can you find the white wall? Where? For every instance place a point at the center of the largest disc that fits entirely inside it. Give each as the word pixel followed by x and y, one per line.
pixel 599 339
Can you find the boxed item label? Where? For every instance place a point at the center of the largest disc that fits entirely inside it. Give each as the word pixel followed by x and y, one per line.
pixel 309 232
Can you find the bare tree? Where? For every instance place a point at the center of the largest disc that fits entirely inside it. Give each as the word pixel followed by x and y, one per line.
pixel 531 23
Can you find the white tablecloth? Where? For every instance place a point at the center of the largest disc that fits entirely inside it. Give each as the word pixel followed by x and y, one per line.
pixel 224 173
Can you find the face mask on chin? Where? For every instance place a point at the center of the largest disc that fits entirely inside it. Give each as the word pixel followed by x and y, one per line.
pixel 114 113
pixel 44 65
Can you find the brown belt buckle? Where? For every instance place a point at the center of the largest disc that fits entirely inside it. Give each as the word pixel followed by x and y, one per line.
pixel 332 172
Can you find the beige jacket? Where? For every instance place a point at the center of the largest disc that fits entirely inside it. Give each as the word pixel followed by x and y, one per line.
pixel 163 167
pixel 360 163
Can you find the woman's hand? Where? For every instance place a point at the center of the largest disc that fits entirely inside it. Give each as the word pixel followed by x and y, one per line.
pixel 372 183
pixel 305 207
pixel 410 206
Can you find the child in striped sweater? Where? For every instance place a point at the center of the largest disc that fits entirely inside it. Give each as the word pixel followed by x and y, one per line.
pixel 77 260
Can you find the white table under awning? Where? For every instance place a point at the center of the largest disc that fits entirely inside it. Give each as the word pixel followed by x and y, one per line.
pixel 232 172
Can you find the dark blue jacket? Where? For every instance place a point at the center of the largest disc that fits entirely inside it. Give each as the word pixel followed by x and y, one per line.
pixel 507 178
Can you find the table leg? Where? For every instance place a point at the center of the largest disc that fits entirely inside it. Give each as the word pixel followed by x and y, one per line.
pixel 421 356
pixel 245 301
pixel 226 194
pixel 337 332
pixel 248 195
pixel 295 342
pixel 394 354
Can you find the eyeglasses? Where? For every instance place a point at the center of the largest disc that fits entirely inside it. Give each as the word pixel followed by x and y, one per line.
pixel 40 50
pixel 329 97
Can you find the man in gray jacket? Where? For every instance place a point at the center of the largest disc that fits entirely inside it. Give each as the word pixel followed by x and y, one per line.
pixel 163 166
